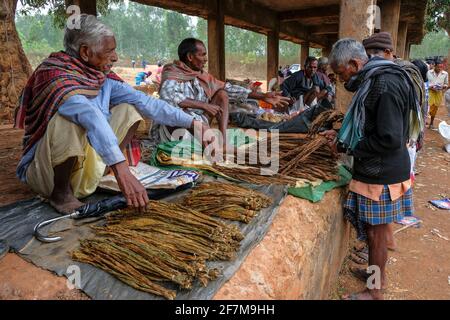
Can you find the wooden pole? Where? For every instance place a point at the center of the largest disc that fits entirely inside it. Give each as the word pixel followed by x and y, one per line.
pixel 390 18
pixel 304 53
pixel 216 41
pixel 273 42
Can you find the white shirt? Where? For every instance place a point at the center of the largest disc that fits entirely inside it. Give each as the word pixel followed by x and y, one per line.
pixel 438 79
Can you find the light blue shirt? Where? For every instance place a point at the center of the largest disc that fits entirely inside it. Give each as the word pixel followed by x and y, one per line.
pixel 94 115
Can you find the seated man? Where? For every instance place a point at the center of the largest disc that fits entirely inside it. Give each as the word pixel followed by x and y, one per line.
pixel 78 118
pixel 322 69
pixel 304 86
pixel 186 85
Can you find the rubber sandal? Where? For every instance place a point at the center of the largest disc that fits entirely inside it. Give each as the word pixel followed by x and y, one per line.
pixel 358 259
pixel 360 274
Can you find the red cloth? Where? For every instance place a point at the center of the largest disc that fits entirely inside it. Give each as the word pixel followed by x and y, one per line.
pixel 56 79
pixel 179 71
pixel 133 152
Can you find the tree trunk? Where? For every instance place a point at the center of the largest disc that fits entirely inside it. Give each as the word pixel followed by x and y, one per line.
pixel 14 66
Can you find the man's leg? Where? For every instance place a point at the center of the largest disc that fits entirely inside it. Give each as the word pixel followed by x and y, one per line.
pixel 311 95
pixel 62 197
pixel 60 151
pixel 66 167
pixel 433 112
pixel 221 99
pixel 377 235
pixel 390 240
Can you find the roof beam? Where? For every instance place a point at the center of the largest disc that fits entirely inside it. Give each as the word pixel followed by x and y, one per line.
pixel 324 29
pixel 242 14
pixel 320 12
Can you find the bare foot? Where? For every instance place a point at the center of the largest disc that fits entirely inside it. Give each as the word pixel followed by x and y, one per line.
pixel 361 274
pixel 65 203
pixel 364 295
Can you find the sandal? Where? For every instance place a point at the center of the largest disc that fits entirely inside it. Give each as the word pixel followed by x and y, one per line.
pixel 358 259
pixel 360 274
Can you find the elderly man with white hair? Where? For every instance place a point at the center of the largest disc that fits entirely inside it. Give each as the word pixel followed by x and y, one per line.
pixel 376 130
pixel 78 118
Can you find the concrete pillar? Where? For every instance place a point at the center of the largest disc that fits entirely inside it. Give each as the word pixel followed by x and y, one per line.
pixel 401 39
pixel 390 18
pixel 86 6
pixel 216 41
pixel 273 42
pixel 354 23
pixel 304 53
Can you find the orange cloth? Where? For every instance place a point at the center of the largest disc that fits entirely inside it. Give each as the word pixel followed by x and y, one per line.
pixel 265 105
pixel 179 71
pixel 373 191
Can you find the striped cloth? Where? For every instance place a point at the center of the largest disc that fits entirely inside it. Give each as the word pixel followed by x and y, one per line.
pixel 56 79
pixel 362 211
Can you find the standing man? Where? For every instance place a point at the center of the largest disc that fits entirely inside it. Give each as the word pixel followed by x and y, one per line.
pixel 322 70
pixel 380 46
pixel 438 84
pixel 376 132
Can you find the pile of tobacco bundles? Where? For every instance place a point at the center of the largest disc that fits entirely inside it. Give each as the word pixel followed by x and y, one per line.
pixel 171 242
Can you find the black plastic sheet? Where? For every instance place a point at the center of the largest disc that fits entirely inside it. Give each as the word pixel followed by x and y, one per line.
pixel 298 124
pixel 18 220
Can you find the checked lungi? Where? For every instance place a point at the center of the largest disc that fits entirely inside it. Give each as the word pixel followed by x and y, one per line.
pixel 361 211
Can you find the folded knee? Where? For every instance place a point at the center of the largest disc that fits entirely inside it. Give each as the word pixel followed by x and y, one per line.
pixel 221 95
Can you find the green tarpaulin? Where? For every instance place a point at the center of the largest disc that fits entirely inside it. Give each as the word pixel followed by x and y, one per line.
pixel 317 193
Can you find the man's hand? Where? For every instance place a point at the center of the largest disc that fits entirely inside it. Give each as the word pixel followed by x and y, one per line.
pixel 277 100
pixel 331 136
pixel 212 109
pixel 131 188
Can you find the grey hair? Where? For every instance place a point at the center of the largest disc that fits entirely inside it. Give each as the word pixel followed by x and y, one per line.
pixel 346 49
pixel 90 33
pixel 323 60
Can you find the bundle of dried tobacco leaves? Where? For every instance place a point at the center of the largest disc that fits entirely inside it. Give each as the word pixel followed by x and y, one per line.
pixel 168 243
pixel 228 201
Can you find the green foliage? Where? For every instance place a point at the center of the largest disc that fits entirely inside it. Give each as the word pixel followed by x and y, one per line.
pixel 433 44
pixel 57 8
pixel 145 32
pixel 438 15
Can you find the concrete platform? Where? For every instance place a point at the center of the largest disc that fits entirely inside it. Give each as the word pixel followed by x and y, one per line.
pixel 301 255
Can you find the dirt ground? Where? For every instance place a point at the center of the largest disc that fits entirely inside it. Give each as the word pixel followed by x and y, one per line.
pixel 419 269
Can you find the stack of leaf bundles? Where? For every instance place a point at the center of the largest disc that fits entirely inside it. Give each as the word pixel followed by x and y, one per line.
pixel 226 200
pixel 167 243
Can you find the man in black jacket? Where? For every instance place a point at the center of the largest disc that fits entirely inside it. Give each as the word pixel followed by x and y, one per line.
pixel 376 132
